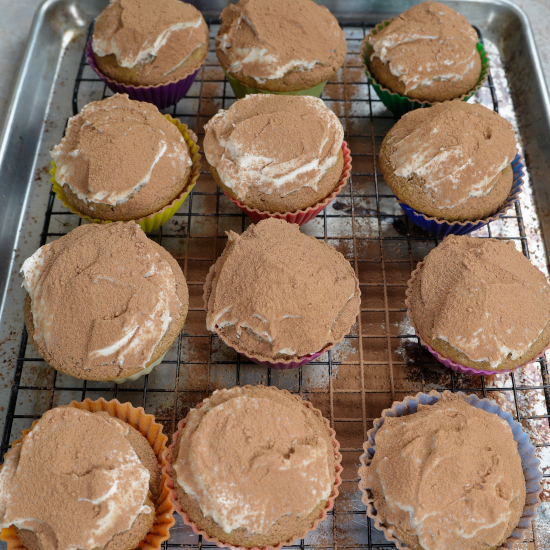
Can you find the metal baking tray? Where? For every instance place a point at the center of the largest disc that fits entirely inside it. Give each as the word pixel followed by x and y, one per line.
pixel 380 361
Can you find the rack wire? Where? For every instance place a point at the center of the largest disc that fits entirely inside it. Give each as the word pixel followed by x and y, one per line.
pixel 379 362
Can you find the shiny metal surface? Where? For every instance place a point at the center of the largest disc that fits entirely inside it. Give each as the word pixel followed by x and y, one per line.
pixel 40 107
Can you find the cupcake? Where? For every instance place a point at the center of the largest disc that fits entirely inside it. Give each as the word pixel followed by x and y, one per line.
pixel 122 160
pixel 444 472
pixel 104 302
pixel 479 305
pixel 451 162
pixel 81 479
pixel 279 46
pixel 427 54
pixel 254 467
pixel 280 297
pixel 276 154
pixel 150 50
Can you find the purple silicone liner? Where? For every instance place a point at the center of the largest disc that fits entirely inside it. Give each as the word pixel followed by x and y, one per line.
pixel 529 462
pixel 457 367
pixel 162 95
pixel 442 227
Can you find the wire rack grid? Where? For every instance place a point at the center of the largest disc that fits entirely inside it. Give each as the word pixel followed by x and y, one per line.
pixel 379 362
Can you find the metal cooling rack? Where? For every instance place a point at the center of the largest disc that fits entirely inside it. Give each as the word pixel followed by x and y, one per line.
pixel 379 362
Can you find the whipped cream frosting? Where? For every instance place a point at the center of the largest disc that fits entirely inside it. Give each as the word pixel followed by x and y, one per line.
pixel 448 477
pixel 483 297
pixel 74 480
pixel 136 31
pixel 456 148
pixel 277 293
pixel 273 143
pixel 251 456
pixel 114 147
pixel 266 39
pixel 429 42
pixel 102 298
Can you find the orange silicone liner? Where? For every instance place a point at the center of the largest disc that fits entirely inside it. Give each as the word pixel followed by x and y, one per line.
pixel 301 217
pixel 152 431
pixel 221 544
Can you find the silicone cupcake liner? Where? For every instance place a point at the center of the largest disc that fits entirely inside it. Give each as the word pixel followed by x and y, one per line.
pixel 284 366
pixel 301 217
pixel 530 464
pixel 152 221
pixel 162 95
pixel 145 424
pixel 399 104
pixel 240 90
pixel 139 374
pixel 442 227
pixel 457 367
pixel 198 531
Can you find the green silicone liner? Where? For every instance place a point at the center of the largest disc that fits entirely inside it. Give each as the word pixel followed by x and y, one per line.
pixel 399 104
pixel 241 90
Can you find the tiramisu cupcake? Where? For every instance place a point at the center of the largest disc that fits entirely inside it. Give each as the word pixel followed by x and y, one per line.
pixel 254 467
pixel 150 50
pixel 429 53
pixel 85 479
pixel 277 155
pixel 104 302
pixel 279 46
pixel 449 471
pixel 479 305
pixel 122 160
pixel 452 163
pixel 280 297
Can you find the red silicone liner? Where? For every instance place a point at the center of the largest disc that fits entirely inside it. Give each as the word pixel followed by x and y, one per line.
pixel 457 367
pixel 301 217
pixel 162 95
pixel 330 502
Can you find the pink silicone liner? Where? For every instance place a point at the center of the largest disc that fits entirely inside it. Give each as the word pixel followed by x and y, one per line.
pixel 457 367
pixel 301 217
pixel 162 95
pixel 330 502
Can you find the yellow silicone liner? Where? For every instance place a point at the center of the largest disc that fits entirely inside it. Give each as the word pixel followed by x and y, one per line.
pixel 146 425
pixel 152 221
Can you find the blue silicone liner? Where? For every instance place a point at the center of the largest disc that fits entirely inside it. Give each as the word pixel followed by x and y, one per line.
pixel 442 227
pixel 530 464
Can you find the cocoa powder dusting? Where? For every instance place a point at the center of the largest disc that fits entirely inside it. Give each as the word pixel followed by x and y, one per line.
pixel 75 481
pixel 275 144
pixel 285 35
pixel 456 149
pixel 426 43
pixel 481 296
pixel 448 477
pixel 253 455
pixel 115 147
pixel 153 37
pixel 102 299
pixel 276 293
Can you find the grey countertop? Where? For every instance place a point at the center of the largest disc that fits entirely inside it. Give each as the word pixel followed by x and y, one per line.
pixel 17 17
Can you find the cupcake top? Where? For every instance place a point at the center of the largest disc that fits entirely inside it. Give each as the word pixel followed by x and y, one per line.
pixel 267 144
pixel 429 42
pixel 152 38
pixel 247 471
pixel 118 151
pixel 448 154
pixel 276 293
pixel 102 298
pixel 482 297
pixel 75 480
pixel 268 39
pixel 448 477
